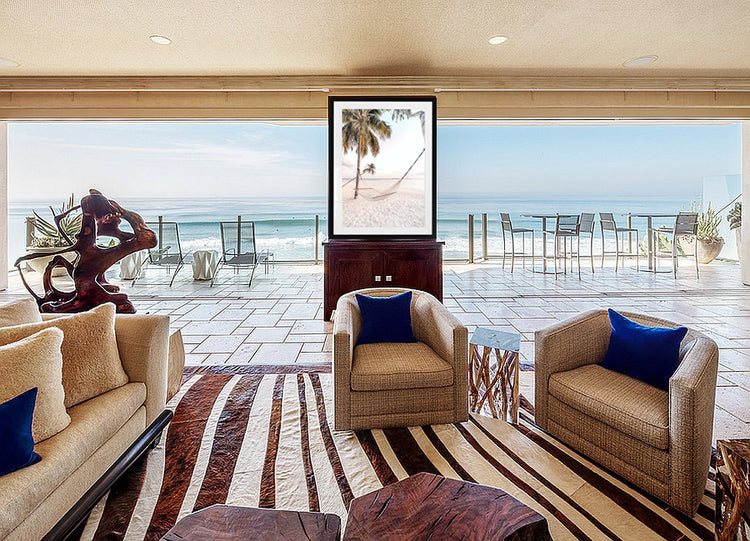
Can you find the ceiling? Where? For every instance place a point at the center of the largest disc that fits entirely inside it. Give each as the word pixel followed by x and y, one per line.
pixel 699 38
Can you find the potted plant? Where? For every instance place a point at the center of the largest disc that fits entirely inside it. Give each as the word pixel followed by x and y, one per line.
pixel 734 217
pixel 710 242
pixel 47 237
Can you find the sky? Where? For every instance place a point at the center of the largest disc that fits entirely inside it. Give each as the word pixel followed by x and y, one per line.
pixel 209 159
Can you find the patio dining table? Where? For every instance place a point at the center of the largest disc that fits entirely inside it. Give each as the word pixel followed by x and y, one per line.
pixel 544 217
pixel 649 240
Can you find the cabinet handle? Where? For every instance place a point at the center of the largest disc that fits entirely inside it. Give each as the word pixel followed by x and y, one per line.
pixel 388 278
pixel 378 278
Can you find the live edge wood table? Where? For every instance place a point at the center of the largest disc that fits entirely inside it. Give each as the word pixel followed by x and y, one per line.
pixel 732 489
pixel 231 523
pixel 494 382
pixel 430 507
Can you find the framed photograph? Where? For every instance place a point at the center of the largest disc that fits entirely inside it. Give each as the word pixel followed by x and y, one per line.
pixel 381 167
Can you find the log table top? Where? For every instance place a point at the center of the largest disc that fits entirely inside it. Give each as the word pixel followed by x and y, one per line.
pixel 426 506
pixel 231 523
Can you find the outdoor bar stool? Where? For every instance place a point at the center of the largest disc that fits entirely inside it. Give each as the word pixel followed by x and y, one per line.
pixel 566 227
pixel 586 225
pixel 686 227
pixel 607 220
pixel 509 232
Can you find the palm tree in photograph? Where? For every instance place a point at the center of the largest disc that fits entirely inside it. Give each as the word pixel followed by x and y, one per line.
pixel 369 168
pixel 362 130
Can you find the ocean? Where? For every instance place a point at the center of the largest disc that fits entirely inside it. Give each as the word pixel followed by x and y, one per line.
pixel 286 226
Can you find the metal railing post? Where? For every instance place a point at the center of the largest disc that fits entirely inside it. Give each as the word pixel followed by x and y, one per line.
pixel 484 236
pixel 471 238
pixel 317 237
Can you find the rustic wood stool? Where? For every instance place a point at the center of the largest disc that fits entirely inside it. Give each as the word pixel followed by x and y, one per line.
pixel 732 489
pixel 494 382
pixel 427 506
pixel 231 523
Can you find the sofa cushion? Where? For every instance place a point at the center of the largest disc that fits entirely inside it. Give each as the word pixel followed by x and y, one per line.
pixel 19 312
pixel 36 361
pixel 93 423
pixel 398 365
pixel 17 450
pixel 91 361
pixel 624 403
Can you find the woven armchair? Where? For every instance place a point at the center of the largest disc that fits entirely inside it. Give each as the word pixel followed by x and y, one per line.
pixel 659 440
pixel 400 384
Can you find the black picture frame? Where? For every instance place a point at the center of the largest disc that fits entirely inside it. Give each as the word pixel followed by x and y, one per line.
pixel 398 199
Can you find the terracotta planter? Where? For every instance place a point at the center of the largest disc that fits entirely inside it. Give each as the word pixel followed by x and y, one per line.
pixel 40 263
pixel 708 250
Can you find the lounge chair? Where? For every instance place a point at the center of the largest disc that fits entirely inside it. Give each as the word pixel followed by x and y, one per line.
pixel 238 248
pixel 168 251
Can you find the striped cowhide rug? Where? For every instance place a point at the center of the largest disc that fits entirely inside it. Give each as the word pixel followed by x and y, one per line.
pixel 267 440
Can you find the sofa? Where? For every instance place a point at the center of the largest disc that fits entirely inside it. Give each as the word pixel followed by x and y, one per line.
pixel 390 384
pixel 660 440
pixel 106 434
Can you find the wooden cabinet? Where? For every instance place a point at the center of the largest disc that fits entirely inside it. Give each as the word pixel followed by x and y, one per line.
pixel 355 264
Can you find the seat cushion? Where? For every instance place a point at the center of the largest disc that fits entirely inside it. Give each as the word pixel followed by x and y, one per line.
pixel 390 365
pixel 624 403
pixel 93 423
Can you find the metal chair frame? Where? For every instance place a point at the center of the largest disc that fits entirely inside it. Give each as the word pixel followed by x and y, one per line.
pixel 161 255
pixel 685 226
pixel 566 227
pixel 235 251
pixel 607 223
pixel 509 231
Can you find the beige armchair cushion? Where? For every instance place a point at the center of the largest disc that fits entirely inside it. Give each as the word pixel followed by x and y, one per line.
pixel 19 313
pixel 32 362
pixel 392 365
pixel 91 361
pixel 627 404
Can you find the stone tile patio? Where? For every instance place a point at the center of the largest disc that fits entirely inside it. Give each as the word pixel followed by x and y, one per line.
pixel 279 319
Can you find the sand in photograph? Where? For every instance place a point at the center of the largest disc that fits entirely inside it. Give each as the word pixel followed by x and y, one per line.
pixel 404 208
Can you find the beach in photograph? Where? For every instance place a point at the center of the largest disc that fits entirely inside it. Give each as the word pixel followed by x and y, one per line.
pixel 402 206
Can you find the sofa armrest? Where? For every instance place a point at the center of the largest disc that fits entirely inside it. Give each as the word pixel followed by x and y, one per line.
pixel 692 394
pixel 346 328
pixel 570 344
pixel 143 342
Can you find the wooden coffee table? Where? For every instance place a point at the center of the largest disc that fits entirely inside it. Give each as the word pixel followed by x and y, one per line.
pixel 230 523
pixel 426 506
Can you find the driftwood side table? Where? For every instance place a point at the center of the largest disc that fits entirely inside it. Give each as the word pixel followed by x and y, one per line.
pixel 732 489
pixel 494 383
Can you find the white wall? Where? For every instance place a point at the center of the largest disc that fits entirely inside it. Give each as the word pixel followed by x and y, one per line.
pixel 745 250
pixel 3 205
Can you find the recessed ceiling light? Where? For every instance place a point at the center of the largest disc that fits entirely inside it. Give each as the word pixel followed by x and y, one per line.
pixel 497 40
pixel 161 40
pixel 8 63
pixel 640 61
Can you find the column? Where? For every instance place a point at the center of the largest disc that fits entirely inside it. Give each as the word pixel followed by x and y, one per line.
pixel 3 205
pixel 744 250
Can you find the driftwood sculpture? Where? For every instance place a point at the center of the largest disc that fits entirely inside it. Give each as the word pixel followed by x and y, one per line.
pixel 101 217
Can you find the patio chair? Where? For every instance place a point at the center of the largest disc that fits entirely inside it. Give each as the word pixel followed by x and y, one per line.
pixel 566 227
pixel 238 248
pixel 685 227
pixel 168 251
pixel 586 225
pixel 510 232
pixel 607 221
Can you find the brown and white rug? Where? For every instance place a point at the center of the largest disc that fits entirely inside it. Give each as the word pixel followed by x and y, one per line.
pixel 266 440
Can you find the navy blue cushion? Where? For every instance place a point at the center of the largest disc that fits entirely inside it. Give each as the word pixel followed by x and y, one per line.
pixel 385 319
pixel 17 449
pixel 650 354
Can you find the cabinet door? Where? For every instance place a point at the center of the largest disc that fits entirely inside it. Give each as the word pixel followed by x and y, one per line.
pixel 418 269
pixel 347 270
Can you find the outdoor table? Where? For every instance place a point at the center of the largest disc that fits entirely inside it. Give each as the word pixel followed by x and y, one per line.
pixel 205 263
pixel 494 381
pixel 131 264
pixel 544 217
pixel 650 240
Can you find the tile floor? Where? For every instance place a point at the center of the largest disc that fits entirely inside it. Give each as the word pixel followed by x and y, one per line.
pixel 279 319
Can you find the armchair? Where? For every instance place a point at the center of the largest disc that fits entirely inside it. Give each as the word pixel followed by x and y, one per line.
pixel 400 384
pixel 658 440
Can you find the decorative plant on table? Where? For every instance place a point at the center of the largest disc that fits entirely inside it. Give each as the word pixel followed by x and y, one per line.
pixel 51 236
pixel 710 241
pixel 734 217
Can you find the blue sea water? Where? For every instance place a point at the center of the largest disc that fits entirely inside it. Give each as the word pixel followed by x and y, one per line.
pixel 286 226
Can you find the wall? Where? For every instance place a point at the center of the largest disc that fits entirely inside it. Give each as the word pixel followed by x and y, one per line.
pixel 745 249
pixel 3 205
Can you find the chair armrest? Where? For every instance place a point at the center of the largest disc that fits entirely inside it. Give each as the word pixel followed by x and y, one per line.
pixel 347 325
pixel 572 343
pixel 692 394
pixel 143 342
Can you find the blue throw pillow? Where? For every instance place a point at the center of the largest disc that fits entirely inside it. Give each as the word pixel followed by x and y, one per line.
pixel 385 319
pixel 17 449
pixel 650 354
